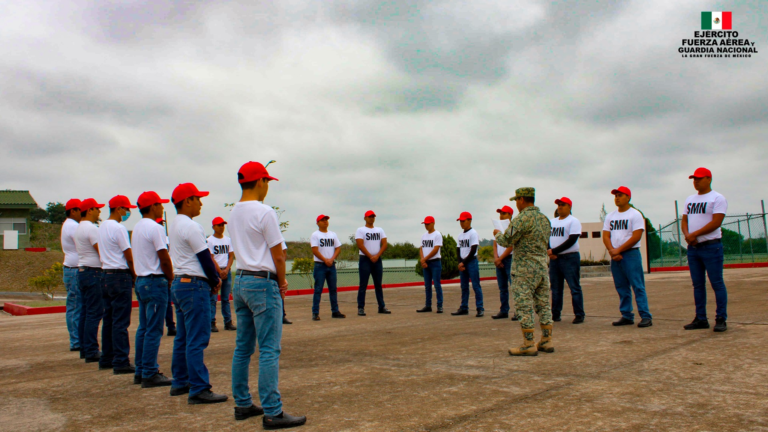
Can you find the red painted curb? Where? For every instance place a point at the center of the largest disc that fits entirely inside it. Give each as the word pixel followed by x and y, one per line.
pixel 35 249
pixel 728 266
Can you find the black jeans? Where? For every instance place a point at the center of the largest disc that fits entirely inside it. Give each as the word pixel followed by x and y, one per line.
pixel 366 269
pixel 118 288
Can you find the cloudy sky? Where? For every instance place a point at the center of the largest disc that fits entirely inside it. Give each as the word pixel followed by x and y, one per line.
pixel 409 108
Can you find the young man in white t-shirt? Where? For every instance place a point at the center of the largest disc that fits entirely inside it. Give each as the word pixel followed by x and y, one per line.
pixel 371 242
pixel 169 309
pixel 702 217
pixel 258 292
pixel 431 263
pixel 325 249
pixel 468 266
pixel 117 265
pixel 89 279
pixel 502 259
pixel 622 232
pixel 565 260
pixel 154 273
pixel 195 276
pixel 68 229
pixel 221 248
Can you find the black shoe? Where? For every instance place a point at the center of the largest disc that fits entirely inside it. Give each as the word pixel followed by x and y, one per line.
pixel 558 319
pixel 207 397
pixel 425 309
pixel 229 326
pixel 460 312
pixel 500 315
pixel 214 329
pixel 82 353
pixel 514 317
pixel 178 391
pixel 251 411
pixel 439 309
pixel 338 315
pixel 171 331
pixel 282 421
pixel 137 379
pixel 697 324
pixel 74 349
pixel 315 317
pixel 720 325
pixel 124 370
pixel 156 380
pixel 384 311
pixel 107 366
pixel 623 321
pixel 285 321
pixel 645 322
pixel 578 320
pixel 361 312
pixel 94 359
pixel 480 313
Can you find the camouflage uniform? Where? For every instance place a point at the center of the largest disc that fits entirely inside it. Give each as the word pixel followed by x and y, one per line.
pixel 529 234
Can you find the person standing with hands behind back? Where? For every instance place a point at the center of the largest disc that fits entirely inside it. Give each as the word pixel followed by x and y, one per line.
pixel 372 242
pixel 221 249
pixel 429 257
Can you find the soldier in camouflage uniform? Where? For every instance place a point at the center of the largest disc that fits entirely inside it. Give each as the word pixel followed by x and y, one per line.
pixel 529 234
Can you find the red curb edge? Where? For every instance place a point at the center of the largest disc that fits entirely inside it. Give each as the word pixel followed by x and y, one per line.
pixel 728 266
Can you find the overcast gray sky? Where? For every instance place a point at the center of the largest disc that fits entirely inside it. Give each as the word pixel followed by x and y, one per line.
pixel 409 108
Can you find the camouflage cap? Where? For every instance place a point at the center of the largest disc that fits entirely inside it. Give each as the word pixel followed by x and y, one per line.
pixel 528 192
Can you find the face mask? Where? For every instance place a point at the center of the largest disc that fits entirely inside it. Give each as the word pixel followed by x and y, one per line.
pixel 127 215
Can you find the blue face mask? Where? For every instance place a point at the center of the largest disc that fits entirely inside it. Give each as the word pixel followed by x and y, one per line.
pixel 127 215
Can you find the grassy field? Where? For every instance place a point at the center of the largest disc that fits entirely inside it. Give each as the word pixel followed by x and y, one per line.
pixel 38 303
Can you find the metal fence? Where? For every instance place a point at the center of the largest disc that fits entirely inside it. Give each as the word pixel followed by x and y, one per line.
pixel 744 241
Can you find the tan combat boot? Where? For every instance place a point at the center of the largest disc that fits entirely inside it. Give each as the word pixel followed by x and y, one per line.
pixel 529 346
pixel 545 344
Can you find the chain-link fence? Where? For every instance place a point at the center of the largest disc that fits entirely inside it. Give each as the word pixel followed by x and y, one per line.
pixel 744 241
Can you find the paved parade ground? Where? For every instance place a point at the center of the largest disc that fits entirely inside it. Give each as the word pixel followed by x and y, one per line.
pixel 409 371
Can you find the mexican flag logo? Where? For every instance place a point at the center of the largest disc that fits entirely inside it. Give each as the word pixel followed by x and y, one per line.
pixel 716 21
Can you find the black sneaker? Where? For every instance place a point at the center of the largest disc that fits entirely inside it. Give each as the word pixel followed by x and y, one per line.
pixel 156 380
pixel 558 319
pixel 105 366
pixel 697 324
pixel 286 321
pixel 93 359
pixel 500 315
pixel 514 317
pixel 214 329
pixel 578 320
pixel 480 313
pixel 460 312
pixel 137 379
pixel 361 312
pixel 338 315
pixel 645 322
pixel 720 325
pixel 74 349
pixel 282 421
pixel 439 309
pixel 315 317
pixel 171 331
pixel 207 397
pixel 124 370
pixel 251 411
pixel 178 391
pixel 425 309
pixel 229 326
pixel 623 321
pixel 384 311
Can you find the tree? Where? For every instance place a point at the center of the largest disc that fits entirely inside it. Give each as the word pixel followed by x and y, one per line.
pixel 38 215
pixel 55 212
pixel 485 254
pixel 404 251
pixel 304 267
pixel 48 281
pixel 449 259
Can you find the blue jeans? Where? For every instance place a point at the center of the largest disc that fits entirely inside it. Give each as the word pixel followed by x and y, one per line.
pixel 152 293
pixel 226 312
pixel 73 306
pixel 118 288
pixel 322 273
pixel 92 310
pixel 566 268
pixel 169 311
pixel 432 274
pixel 629 273
pixel 471 272
pixel 193 331
pixel 708 259
pixel 504 278
pixel 259 317
pixel 367 268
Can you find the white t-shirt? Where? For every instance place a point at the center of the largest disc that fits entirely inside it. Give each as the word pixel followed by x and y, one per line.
pixel 113 240
pixel 500 249
pixel 86 237
pixel 467 240
pixel 371 237
pixel 255 230
pixel 700 210
pixel 429 242
pixel 68 229
pixel 220 248
pixel 622 225
pixel 187 240
pixel 148 238
pixel 562 229
pixel 325 242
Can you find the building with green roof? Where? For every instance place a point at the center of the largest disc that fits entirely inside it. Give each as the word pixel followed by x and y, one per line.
pixel 15 208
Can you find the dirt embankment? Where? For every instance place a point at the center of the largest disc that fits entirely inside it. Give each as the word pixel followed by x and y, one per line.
pixel 16 267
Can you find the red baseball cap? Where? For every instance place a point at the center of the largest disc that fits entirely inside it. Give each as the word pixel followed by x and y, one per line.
pixel 252 171
pixel 505 209
pixel 321 217
pixel 88 204
pixel 370 213
pixel 700 173
pixel 120 201
pixel 150 198
pixel 622 189
pixel 218 220
pixel 464 216
pixel 186 190
pixel 428 220
pixel 73 203
pixel 566 200
pixel 159 220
